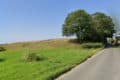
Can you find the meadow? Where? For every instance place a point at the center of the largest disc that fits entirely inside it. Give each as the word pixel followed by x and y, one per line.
pixel 60 55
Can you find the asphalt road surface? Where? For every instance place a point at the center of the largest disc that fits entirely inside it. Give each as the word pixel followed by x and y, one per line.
pixel 103 66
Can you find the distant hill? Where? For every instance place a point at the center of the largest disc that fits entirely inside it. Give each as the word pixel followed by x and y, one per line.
pixel 51 43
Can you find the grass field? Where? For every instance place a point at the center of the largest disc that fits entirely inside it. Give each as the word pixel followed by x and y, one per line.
pixel 60 56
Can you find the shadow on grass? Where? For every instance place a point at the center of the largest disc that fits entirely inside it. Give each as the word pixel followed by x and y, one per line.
pixel 1 60
pixel 74 41
pixel 86 44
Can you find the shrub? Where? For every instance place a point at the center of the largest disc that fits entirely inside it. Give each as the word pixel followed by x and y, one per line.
pixel 2 49
pixel 91 45
pixel 110 40
pixel 33 57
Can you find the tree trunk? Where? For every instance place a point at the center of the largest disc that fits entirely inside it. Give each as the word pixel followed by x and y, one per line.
pixel 78 37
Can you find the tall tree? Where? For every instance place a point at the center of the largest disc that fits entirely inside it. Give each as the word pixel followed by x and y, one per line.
pixel 103 26
pixel 95 27
pixel 77 23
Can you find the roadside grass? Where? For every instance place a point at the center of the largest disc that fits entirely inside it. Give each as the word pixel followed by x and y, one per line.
pixel 59 58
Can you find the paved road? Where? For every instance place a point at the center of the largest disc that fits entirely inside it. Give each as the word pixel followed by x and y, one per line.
pixel 103 66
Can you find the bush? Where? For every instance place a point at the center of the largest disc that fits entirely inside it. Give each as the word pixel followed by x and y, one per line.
pixel 2 49
pixel 92 45
pixel 33 57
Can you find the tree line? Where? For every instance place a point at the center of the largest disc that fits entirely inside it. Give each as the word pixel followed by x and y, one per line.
pixel 88 27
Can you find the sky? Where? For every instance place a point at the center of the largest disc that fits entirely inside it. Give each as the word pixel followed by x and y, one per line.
pixel 28 20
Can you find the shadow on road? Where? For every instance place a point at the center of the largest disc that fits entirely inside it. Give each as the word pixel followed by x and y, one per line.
pixel 113 46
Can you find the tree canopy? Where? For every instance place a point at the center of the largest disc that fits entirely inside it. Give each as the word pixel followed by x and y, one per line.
pixel 87 27
pixel 103 26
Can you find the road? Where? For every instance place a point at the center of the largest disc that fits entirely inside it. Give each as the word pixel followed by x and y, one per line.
pixel 103 66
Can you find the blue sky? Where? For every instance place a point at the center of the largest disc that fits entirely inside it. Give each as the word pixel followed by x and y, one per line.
pixel 26 20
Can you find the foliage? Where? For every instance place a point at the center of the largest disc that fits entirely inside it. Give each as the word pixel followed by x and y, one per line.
pixel 77 23
pixel 103 27
pixel 2 49
pixel 92 45
pixel 96 27
pixel 32 57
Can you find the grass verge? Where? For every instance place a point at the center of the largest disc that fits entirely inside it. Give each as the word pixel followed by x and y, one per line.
pixel 61 56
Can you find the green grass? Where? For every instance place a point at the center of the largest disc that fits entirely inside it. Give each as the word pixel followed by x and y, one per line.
pixel 58 60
